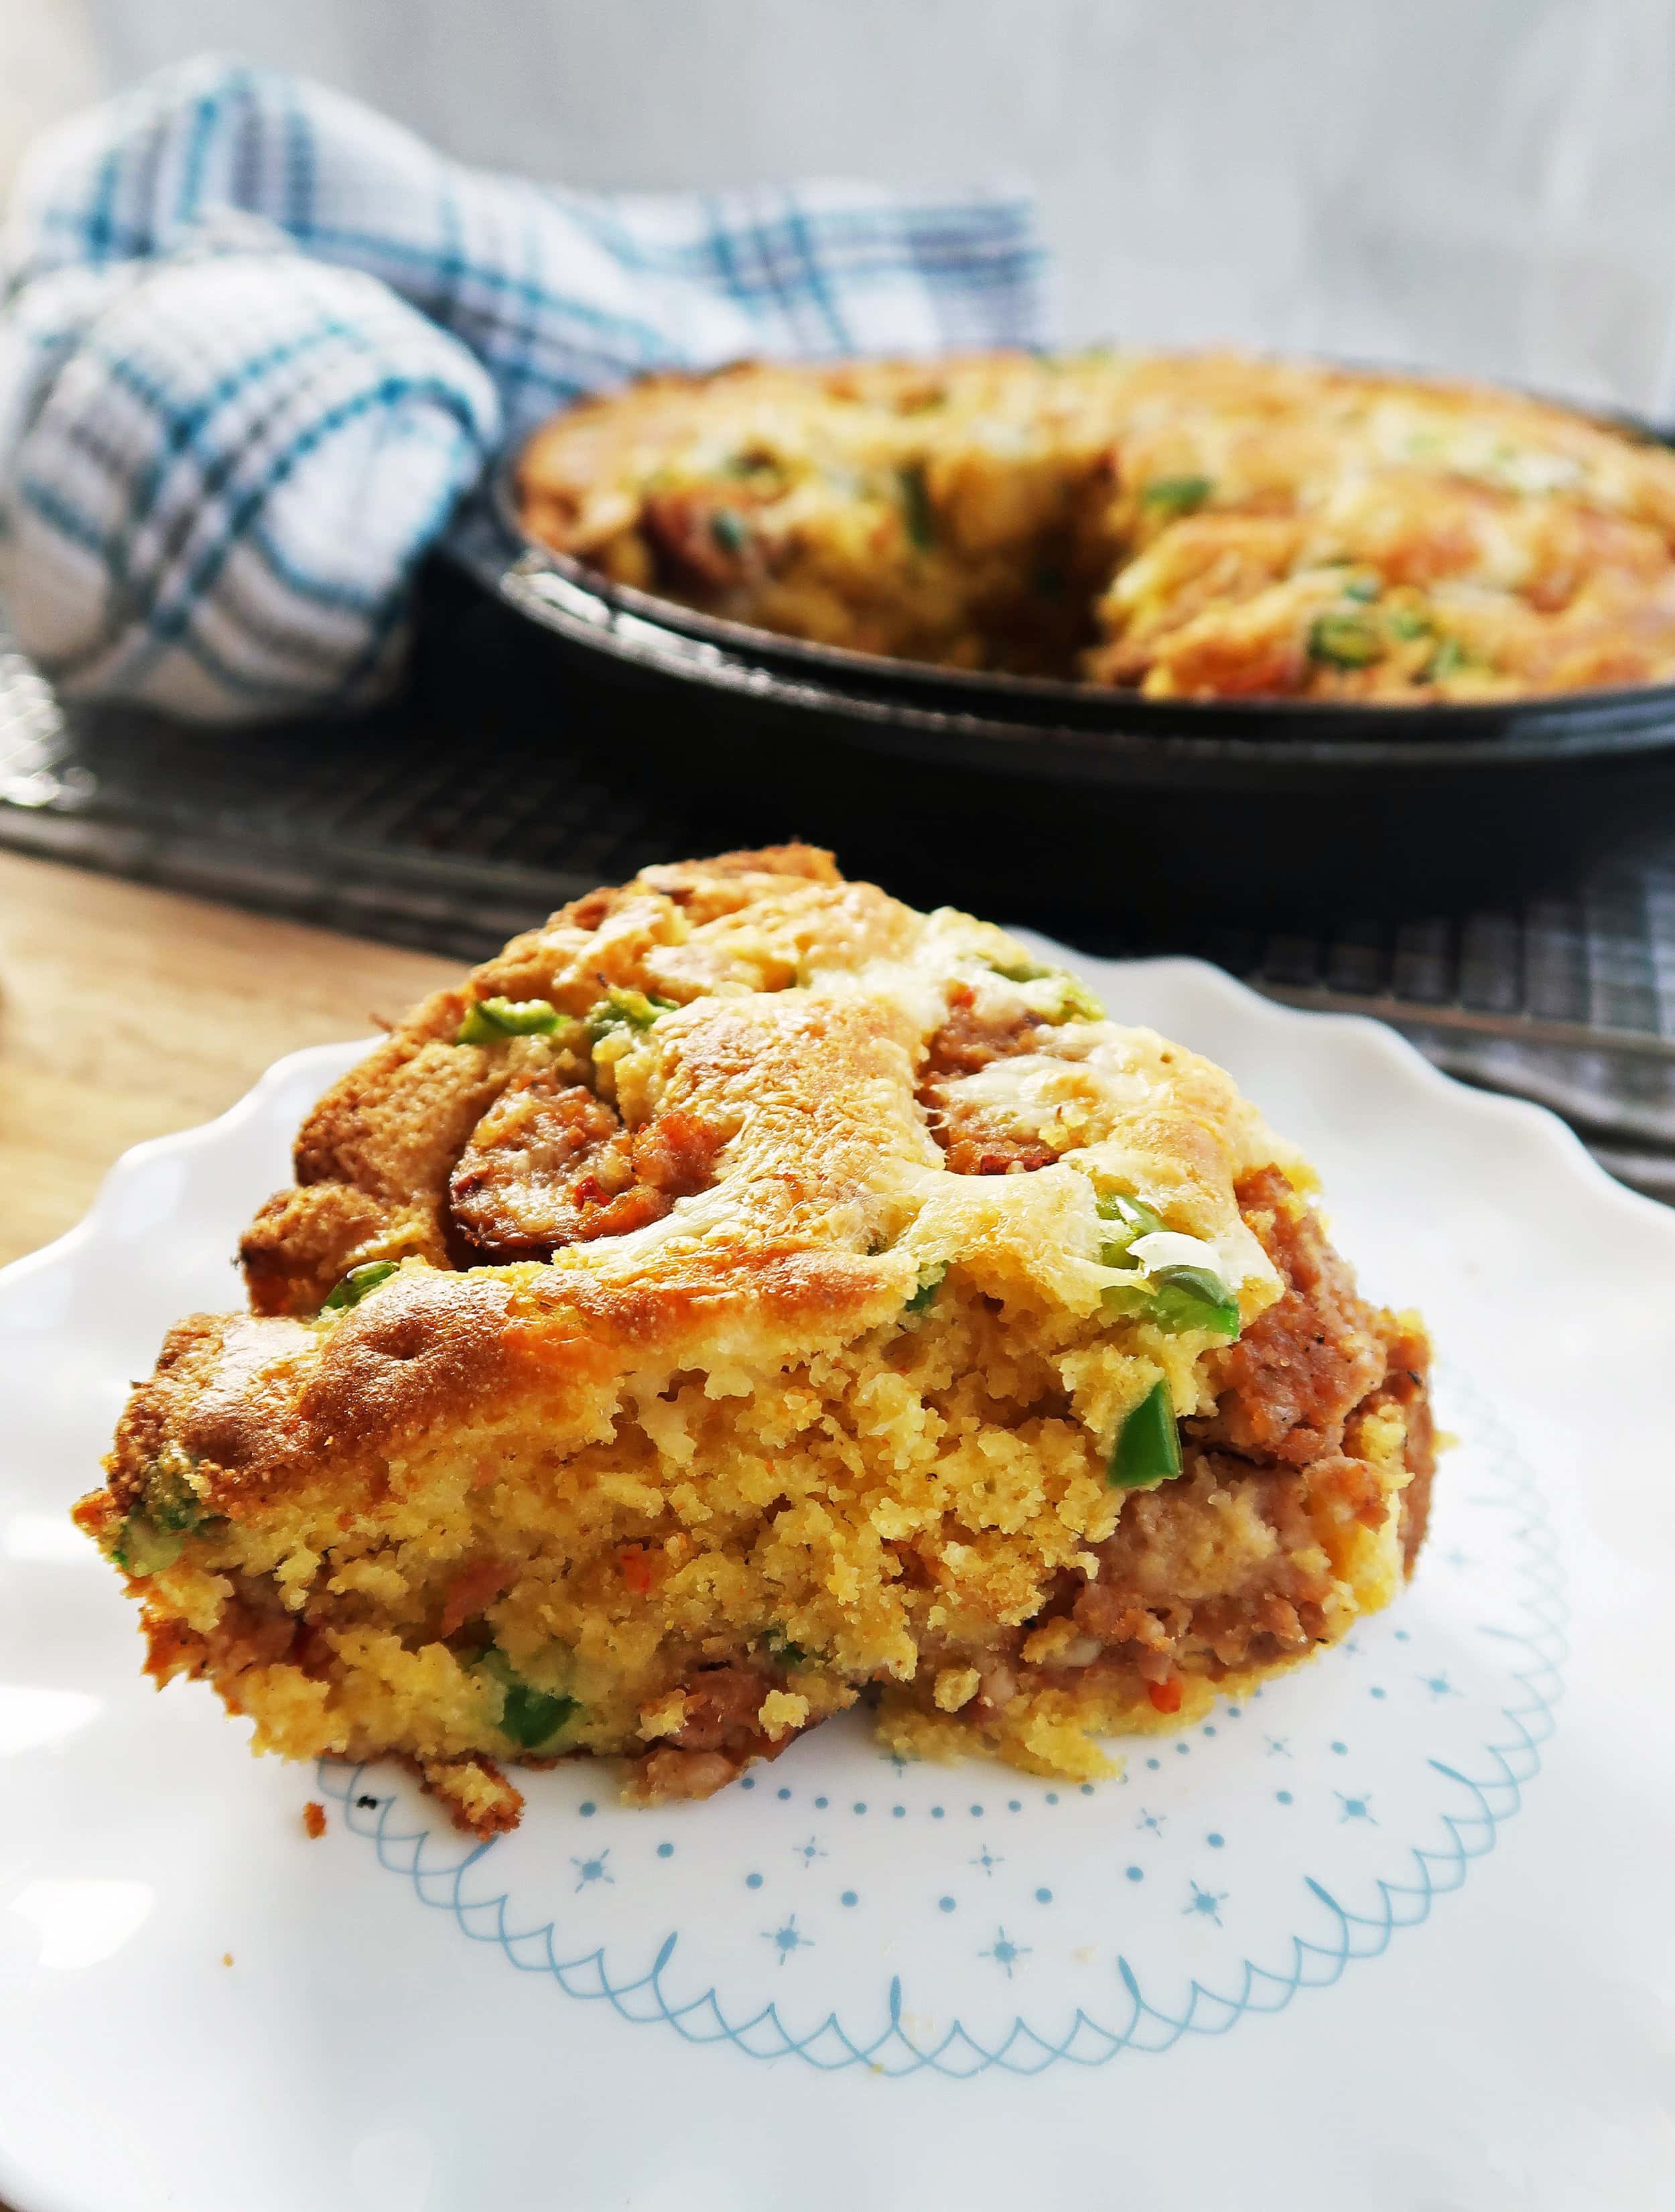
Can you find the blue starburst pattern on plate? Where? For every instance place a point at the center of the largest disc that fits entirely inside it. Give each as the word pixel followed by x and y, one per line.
pixel 853 1910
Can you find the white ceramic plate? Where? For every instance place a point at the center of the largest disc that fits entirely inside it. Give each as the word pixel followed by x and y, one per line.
pixel 1395 1934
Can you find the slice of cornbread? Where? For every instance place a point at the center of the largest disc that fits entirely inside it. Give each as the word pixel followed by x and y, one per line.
pixel 744 1296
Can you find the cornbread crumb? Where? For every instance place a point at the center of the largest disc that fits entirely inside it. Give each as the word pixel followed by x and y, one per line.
pixel 313 1819
pixel 477 1795
pixel 782 1710
pixel 226 1958
pixel 666 1717
pixel 955 1687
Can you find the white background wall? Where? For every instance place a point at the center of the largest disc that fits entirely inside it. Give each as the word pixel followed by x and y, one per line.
pixel 1486 185
pixel 48 66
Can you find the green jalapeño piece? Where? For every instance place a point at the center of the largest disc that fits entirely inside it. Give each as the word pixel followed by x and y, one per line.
pixel 919 517
pixel 143 1548
pixel 491 1021
pixel 153 1536
pixel 1345 641
pixel 1406 623
pixel 625 1010
pixel 1132 1218
pixel 927 1290
pixel 729 530
pixel 1193 1297
pixel 172 1504
pixel 529 1717
pixel 1147 1451
pixel 1172 495
pixel 356 1284
pixel 1076 1003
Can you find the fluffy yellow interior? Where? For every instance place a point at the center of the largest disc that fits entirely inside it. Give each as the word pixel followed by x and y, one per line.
pixel 894 1513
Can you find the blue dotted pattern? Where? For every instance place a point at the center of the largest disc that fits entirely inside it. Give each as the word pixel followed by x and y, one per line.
pixel 1340 1934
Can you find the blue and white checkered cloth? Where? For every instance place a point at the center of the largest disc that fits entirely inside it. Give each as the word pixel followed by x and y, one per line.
pixel 258 343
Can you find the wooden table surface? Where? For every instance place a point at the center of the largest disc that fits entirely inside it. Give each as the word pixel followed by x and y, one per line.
pixel 126 1012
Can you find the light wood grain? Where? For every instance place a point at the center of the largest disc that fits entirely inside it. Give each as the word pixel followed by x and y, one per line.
pixel 125 1013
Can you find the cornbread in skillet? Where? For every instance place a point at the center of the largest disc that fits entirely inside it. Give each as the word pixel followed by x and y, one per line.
pixel 745 1296
pixel 1192 526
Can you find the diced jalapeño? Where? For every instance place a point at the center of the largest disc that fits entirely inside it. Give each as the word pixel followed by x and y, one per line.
pixel 1193 1297
pixel 529 1717
pixel 155 1532
pixel 927 1290
pixel 729 530
pixel 919 517
pixel 491 1021
pixel 622 1009
pixel 356 1284
pixel 1131 1219
pixel 1147 1451
pixel 1345 641
pixel 1076 1003
pixel 1406 624
pixel 1173 495
pixel 143 1548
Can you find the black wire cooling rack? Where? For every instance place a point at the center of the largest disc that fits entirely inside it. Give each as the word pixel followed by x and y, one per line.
pixel 401 827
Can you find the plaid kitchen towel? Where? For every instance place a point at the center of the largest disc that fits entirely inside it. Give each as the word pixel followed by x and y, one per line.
pixel 257 342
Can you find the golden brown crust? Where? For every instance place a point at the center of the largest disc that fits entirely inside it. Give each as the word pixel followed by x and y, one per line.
pixel 375 1159
pixel 1195 526
pixel 793 1100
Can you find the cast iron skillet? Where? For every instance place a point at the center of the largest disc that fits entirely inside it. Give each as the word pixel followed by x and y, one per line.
pixel 1160 811
pixel 1041 701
